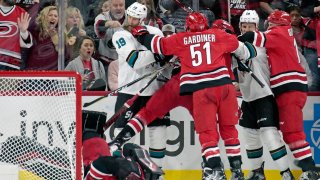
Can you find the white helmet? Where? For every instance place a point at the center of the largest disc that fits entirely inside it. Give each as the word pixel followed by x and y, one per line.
pixel 137 10
pixel 249 16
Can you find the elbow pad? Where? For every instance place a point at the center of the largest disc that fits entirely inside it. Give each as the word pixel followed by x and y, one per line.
pixel 245 51
pixel 252 50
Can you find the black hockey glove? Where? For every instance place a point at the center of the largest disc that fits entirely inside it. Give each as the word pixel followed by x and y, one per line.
pixel 162 58
pixel 241 65
pixel 124 136
pixel 247 37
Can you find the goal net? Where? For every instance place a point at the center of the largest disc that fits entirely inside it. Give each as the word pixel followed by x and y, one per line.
pixel 40 124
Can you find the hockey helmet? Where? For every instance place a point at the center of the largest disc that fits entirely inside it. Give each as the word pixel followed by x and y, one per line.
pixel 279 18
pixel 249 16
pixel 137 10
pixel 196 22
pixel 224 25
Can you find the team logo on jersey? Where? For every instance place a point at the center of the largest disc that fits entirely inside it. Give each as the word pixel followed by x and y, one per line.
pixel 8 29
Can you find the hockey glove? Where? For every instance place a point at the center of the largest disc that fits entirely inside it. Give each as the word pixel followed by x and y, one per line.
pixel 162 58
pixel 121 138
pixel 139 32
pixel 243 66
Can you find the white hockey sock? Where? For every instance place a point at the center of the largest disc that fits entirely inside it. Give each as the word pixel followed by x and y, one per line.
pixel 254 147
pixel 272 139
pixel 158 141
pixel 255 157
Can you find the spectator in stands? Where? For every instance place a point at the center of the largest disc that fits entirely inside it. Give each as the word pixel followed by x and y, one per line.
pixel 113 70
pixel 44 53
pixel 152 19
pixel 309 8
pixel 89 11
pixel 168 30
pixel 14 35
pixel 304 31
pixel 222 9
pixel 105 7
pixel 74 29
pixel 105 25
pixel 173 14
pixel 269 6
pixel 91 70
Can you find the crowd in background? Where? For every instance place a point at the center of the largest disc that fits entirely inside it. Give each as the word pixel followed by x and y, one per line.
pixel 90 24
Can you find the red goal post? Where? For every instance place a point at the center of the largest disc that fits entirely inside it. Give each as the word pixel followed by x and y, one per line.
pixel 40 123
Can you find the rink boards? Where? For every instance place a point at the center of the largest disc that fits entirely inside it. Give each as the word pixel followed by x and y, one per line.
pixel 183 156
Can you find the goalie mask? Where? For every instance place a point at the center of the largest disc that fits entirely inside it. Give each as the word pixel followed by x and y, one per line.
pixel 137 10
pixel 196 22
pixel 280 18
pixel 249 16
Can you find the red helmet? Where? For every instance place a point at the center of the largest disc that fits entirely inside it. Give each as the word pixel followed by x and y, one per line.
pixel 196 22
pixel 279 18
pixel 224 25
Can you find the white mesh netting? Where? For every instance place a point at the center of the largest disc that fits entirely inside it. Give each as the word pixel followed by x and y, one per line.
pixel 38 125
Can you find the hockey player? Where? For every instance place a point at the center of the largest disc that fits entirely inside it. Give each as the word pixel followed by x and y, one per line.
pixel 288 82
pixel 209 83
pixel 167 98
pixel 13 35
pixel 259 109
pixel 98 162
pixel 135 61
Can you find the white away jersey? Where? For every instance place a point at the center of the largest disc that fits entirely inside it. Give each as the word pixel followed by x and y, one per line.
pixel 249 87
pixel 135 61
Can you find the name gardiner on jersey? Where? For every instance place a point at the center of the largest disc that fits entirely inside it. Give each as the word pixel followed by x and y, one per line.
pixel 199 39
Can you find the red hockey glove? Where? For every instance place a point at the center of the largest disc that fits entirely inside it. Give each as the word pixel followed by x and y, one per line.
pixel 139 31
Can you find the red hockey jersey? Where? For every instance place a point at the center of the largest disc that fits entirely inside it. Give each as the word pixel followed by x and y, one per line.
pixel 286 72
pixel 10 54
pixel 202 56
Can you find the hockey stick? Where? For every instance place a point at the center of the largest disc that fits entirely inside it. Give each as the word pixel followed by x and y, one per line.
pixel 122 87
pixel 128 104
pixel 187 9
pixel 248 70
